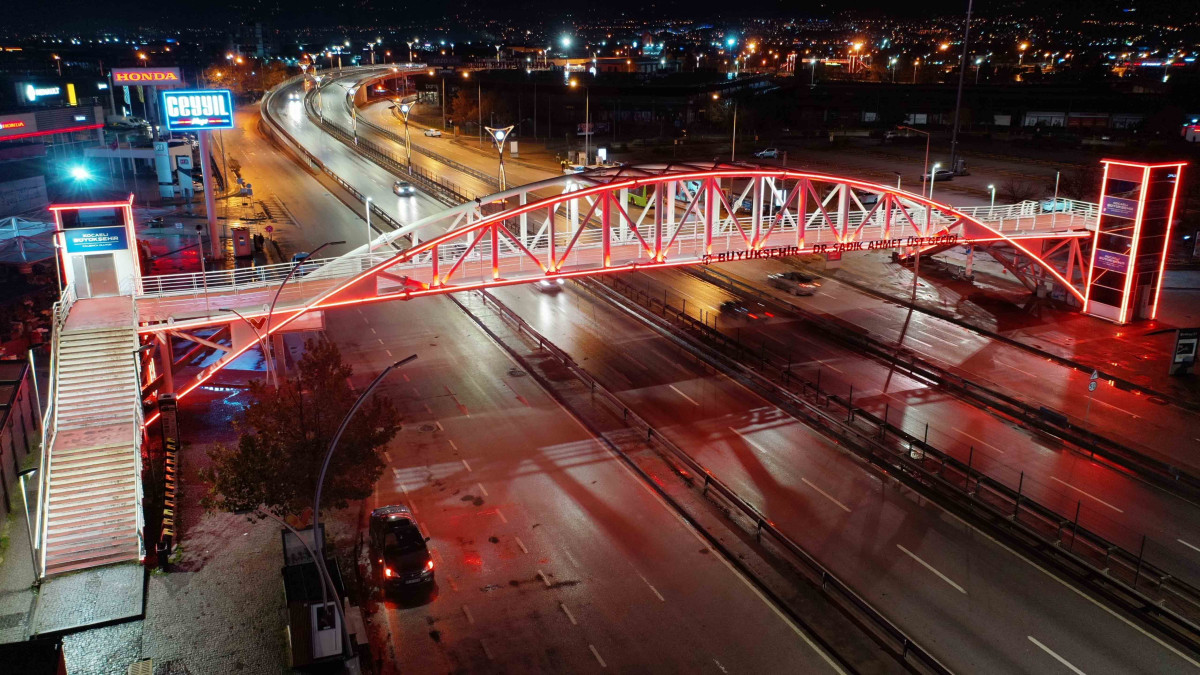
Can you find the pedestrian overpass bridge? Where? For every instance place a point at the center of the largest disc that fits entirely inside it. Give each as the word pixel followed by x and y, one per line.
pixel 597 222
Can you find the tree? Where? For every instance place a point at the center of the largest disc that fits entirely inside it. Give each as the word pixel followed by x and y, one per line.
pixel 286 433
pixel 1015 191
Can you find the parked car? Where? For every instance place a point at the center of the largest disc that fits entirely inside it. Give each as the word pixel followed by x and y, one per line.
pixel 1051 205
pixel 795 283
pixel 548 285
pixel 867 198
pixel 574 168
pixel 403 189
pixel 769 153
pixel 750 310
pixel 399 554
pixel 433 133
pixel 305 267
pixel 941 175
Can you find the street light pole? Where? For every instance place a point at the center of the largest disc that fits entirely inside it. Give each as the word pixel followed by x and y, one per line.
pixel 295 266
pixel 962 72
pixel 262 341
pixel 405 109
pixel 992 206
pixel 733 138
pixel 369 237
pixel 499 136
pixel 317 539
pixel 1054 203
pixel 925 176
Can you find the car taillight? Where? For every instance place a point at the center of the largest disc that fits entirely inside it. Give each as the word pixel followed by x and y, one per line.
pixel 770 315
pixel 752 316
pixel 429 566
pixel 387 572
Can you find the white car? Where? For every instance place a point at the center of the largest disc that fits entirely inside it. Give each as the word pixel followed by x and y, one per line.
pixel 769 153
pixel 433 133
pixel 548 285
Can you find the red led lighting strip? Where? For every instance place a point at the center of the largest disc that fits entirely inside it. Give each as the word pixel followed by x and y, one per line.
pixel 1162 265
pixel 548 202
pixel 68 130
pixel 1087 287
pixel 1130 268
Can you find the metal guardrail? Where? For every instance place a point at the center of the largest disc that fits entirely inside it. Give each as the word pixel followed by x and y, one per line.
pixel 1045 419
pixel 60 311
pixel 858 609
pixel 1107 569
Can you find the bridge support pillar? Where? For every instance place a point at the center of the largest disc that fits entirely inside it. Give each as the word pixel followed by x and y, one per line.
pixel 165 363
pixel 524 219
pixel 623 236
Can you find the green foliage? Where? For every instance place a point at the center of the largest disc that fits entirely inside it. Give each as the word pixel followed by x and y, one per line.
pixel 284 437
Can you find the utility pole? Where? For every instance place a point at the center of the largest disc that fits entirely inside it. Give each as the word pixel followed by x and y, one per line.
pixel 962 72
pixel 733 140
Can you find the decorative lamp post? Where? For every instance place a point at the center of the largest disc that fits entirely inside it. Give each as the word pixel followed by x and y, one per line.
pixel 499 138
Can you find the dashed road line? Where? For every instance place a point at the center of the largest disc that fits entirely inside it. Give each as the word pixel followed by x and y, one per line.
pixel 1058 658
pixel 597 655
pixel 977 440
pixel 1087 494
pixel 653 589
pixel 438 424
pixel 933 569
pixel 453 586
pixel 569 614
pixel 521 545
pixel 689 398
pixel 452 445
pixel 1194 548
pixel 544 579
pixel 502 518
pixel 389 353
pixel 826 495
pixel 387 457
pixel 482 490
pixel 486 652
pixel 467 611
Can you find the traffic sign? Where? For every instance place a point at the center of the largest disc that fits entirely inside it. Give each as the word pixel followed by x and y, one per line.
pixel 1092 385
pixel 1095 375
pixel 270 229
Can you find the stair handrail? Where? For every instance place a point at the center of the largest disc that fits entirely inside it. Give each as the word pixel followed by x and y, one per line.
pixel 60 311
pixel 138 429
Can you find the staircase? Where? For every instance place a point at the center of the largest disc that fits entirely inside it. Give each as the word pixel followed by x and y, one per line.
pixel 92 512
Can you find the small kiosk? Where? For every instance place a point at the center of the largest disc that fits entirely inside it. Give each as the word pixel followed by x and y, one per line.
pixel 98 247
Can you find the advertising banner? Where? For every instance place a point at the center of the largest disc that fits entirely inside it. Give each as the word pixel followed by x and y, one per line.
pixel 1121 208
pixel 96 239
pixel 150 76
pixel 198 110
pixel 1107 260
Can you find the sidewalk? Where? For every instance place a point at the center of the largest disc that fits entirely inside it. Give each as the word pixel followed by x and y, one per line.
pixel 998 304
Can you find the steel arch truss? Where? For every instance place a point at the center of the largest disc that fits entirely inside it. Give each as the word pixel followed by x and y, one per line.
pixel 620 219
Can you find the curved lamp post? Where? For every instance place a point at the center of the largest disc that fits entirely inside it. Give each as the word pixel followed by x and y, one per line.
pixel 262 343
pixel 295 266
pixel 499 138
pixel 337 436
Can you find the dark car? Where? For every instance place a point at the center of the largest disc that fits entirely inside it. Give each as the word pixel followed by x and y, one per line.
pixel 795 283
pixel 750 310
pixel 398 551
pixel 403 188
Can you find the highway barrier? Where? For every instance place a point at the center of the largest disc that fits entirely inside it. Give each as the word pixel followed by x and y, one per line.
pixel 1124 578
pixel 888 635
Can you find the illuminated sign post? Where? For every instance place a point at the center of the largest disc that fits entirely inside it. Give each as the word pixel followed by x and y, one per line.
pixel 1133 231
pixel 150 76
pixel 201 111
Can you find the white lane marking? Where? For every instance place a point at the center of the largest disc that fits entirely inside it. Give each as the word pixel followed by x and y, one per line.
pixel 653 589
pixel 482 491
pixel 502 518
pixel 570 557
pixel 467 611
pixel 569 614
pixel 747 440
pixel 411 505
pixel 720 666
pixel 438 424
pixel 1014 367
pixel 374 332
pixel 415 392
pixel 826 364
pixel 428 409
pixel 833 665
pixel 544 579
pixel 689 398
pixel 486 652
pixel 405 375
pixel 387 457
pixel 1056 656
pixel 521 545
pixel 389 352
pixel 827 495
pixel 453 586
pixel 1194 548
pixel 380 340
pixel 597 655
pixel 977 440
pixel 1087 494
pixel 452 445
pixel 931 568
pixel 465 464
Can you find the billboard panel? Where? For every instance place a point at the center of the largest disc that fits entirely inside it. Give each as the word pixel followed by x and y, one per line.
pixel 198 110
pixel 96 239
pixel 147 76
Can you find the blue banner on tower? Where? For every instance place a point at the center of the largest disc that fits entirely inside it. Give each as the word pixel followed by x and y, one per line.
pixel 96 239
pixel 198 110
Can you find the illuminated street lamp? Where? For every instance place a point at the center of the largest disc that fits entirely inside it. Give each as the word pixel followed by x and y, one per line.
pixel 992 207
pixel 587 122
pixel 58 62
pixel 978 67
pixel 892 62
pixel 1021 53
pixel 565 41
pixel 404 109
pixel 499 136
pixel 933 177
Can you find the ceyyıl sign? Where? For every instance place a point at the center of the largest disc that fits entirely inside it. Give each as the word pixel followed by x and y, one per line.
pixel 95 239
pixel 198 110
pixel 146 76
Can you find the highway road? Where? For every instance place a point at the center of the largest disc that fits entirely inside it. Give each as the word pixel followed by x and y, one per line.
pixel 974 603
pixel 550 554
pixel 967 598
pixel 1112 503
